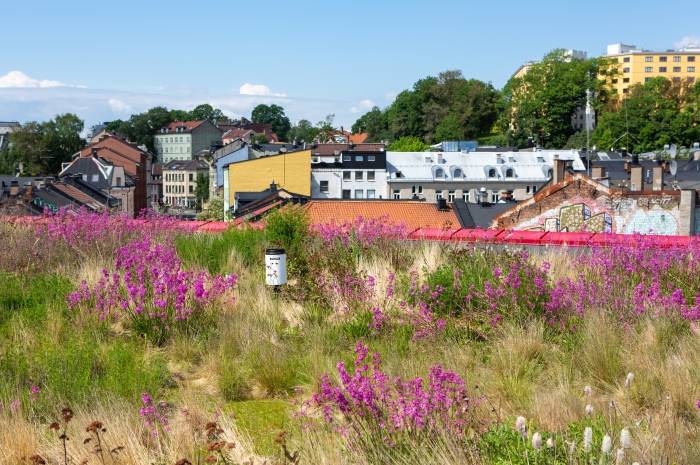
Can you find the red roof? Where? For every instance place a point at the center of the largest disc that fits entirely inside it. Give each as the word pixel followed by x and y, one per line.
pixel 236 133
pixel 410 213
pixel 359 138
pixel 186 125
pixel 77 195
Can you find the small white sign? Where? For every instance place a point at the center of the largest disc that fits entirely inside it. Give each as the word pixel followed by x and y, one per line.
pixel 275 268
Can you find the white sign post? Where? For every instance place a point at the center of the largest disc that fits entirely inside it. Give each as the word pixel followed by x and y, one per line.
pixel 275 267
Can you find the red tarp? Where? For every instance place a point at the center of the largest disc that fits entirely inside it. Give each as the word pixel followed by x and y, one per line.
pixel 520 237
pixel 432 234
pixel 476 235
pixel 566 238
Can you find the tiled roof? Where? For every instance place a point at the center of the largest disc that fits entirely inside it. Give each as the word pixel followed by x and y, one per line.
pixel 117 145
pixel 187 126
pixel 77 195
pixel 411 213
pixel 359 138
pixel 130 166
pixel 237 133
pixel 330 149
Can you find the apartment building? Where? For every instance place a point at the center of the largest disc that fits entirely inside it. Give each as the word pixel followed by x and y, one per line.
pixel 180 182
pixel 636 66
pixel 473 176
pixel 180 140
pixel 349 173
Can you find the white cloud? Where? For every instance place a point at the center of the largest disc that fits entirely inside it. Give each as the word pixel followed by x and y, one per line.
pixel 118 106
pixel 260 90
pixel 17 79
pixel 362 106
pixel 688 42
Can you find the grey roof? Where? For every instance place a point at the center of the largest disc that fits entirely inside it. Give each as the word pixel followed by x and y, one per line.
pixel 687 175
pixel 185 165
pixel 478 215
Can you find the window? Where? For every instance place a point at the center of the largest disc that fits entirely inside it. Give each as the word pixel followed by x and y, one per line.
pixel 648 69
pixel 647 79
pixel 691 58
pixel 324 186
pixel 663 59
pixel 95 177
pixel 450 196
pixel 625 80
pixel 191 188
pixel 691 69
pixel 625 70
pixel 439 173
pixel 527 189
pixel 346 193
pixel 458 173
pixel 662 69
pixel 626 60
pixel 439 195
pixel 648 59
pixel 494 197
pixel 370 175
pixel 614 81
pixel 510 173
pixel 691 79
pixel 314 159
pixel 359 158
pixel 676 69
pixel 534 189
pixel 397 194
pixel 492 172
pixel 676 59
pixel 625 90
pixel 359 175
pixel 191 177
pixel 346 175
pixel 85 177
pixel 465 196
pixel 119 181
pixel 370 193
pixel 347 158
pixel 420 189
pixel 371 158
pixel 359 194
pixel 676 79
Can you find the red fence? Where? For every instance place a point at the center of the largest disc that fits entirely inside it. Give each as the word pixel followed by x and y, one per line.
pixel 486 236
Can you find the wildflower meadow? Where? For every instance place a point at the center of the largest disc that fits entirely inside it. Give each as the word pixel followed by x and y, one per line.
pixel 138 341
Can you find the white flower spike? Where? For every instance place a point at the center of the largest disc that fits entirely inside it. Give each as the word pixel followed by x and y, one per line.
pixel 521 426
pixel 537 441
pixel 625 438
pixel 606 445
pixel 629 379
pixel 589 410
pixel 587 439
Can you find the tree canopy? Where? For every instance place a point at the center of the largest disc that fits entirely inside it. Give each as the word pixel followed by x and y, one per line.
pixel 446 106
pixel 274 116
pixel 539 104
pixel 41 148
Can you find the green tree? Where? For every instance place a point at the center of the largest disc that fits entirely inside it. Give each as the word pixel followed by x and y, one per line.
pixel 202 189
pixel 656 113
pixel 214 210
pixel 274 116
pixel 303 131
pixel 41 148
pixel 540 103
pixel 408 144
pixel 141 128
pixel 446 106
pixel 207 112
pixel 375 123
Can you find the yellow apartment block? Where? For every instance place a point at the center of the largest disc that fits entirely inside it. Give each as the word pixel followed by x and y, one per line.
pixel 636 66
pixel 290 171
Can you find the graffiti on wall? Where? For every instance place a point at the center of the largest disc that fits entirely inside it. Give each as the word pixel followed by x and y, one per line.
pixel 644 215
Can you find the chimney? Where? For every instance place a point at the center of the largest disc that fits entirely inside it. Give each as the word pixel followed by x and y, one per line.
pixel 559 171
pixel 597 172
pixel 636 179
pixel 657 183
pixel 442 205
pixel 14 188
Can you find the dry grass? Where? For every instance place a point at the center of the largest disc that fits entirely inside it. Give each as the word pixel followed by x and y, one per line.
pixel 20 438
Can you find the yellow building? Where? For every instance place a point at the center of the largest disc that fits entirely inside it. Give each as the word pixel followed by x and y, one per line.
pixel 635 66
pixel 290 171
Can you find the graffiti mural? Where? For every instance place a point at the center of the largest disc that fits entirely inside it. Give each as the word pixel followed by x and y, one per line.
pixel 621 215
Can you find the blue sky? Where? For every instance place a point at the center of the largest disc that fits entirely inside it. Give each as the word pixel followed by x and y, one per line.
pixel 107 60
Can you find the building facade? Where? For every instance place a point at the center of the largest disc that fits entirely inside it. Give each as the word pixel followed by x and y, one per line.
pixel 635 66
pixel 473 176
pixel 290 171
pixel 101 174
pixel 180 182
pixel 349 175
pixel 180 140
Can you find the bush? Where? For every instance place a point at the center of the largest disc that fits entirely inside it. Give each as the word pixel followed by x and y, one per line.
pixel 289 228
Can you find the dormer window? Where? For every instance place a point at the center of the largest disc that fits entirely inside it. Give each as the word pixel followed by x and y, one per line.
pixel 540 159
pixel 510 173
pixel 439 173
pixel 492 172
pixel 458 173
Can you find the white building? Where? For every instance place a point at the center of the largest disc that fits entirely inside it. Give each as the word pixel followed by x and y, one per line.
pixel 473 175
pixel 348 173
